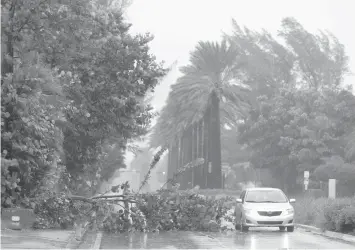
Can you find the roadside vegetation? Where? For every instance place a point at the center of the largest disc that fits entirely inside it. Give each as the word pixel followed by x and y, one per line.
pixel 328 214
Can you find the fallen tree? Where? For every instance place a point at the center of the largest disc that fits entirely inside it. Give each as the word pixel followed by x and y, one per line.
pixel 162 210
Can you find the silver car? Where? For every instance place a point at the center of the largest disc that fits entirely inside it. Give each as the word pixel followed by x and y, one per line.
pixel 264 207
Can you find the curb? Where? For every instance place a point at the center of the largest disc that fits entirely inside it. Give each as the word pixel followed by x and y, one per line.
pixel 330 234
pixel 76 239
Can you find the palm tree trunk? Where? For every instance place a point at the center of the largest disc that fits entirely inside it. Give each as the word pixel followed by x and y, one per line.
pixel 215 145
pixel 179 159
pixel 206 151
pixel 193 152
pixel 199 169
pixel 170 171
pixel 184 176
pixel 189 148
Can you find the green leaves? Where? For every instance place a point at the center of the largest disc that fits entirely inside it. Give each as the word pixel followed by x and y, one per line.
pixel 213 67
pixel 110 80
pixel 73 80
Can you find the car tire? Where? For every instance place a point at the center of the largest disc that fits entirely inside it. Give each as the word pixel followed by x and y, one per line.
pixel 290 229
pixel 282 228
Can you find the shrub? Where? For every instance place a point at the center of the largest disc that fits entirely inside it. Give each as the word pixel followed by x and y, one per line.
pixel 328 214
pixel 308 208
pixel 338 215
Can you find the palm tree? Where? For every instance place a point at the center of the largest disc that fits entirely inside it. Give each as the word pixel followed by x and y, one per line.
pixel 208 84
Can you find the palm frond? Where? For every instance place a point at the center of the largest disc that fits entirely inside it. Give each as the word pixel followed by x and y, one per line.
pixel 213 67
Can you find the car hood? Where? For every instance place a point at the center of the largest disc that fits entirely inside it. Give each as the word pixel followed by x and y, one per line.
pixel 267 206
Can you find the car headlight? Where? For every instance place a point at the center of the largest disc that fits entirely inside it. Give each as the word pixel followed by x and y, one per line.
pixel 289 211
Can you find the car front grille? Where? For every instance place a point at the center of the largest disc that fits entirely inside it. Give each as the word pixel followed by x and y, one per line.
pixel 269 213
pixel 269 222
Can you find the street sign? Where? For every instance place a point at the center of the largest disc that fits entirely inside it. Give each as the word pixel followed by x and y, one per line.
pixel 210 167
pixel 306 174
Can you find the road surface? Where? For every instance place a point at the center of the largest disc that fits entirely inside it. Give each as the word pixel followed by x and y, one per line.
pixel 254 239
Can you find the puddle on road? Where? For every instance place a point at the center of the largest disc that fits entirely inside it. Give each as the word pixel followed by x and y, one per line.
pixel 163 240
pixel 254 239
pixel 196 240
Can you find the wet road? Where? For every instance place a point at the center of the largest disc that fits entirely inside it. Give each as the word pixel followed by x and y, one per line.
pixel 254 239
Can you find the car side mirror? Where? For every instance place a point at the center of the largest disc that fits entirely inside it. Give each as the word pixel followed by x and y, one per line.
pixel 239 200
pixel 292 200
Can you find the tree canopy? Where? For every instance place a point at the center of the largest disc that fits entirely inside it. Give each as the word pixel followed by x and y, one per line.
pixel 300 115
pixel 73 81
pixel 307 118
pixel 213 67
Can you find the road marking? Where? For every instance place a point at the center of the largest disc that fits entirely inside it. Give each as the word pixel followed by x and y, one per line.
pixel 98 239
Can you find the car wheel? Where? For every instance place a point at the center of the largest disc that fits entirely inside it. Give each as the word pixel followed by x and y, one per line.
pixel 290 229
pixel 282 228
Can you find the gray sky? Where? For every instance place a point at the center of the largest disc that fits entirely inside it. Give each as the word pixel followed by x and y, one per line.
pixel 179 24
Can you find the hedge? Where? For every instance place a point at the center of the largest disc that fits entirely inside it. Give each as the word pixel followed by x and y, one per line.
pixel 329 214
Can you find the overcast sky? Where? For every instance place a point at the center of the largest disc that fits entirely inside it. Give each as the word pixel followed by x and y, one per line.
pixel 179 24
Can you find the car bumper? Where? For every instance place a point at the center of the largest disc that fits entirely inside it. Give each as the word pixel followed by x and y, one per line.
pixel 268 221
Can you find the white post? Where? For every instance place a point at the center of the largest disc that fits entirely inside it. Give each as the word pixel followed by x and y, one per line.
pixel 306 180
pixel 332 188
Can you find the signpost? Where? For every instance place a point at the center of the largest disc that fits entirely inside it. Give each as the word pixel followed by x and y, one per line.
pixel 332 188
pixel 306 180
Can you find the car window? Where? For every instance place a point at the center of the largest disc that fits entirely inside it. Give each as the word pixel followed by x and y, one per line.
pixel 266 196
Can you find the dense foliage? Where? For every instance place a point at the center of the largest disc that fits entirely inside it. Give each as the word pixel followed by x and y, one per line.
pixel 303 115
pixel 329 214
pixel 72 94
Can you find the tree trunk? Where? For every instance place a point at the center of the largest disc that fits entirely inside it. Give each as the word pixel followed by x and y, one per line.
pixel 174 159
pixel 179 159
pixel 7 47
pixel 189 147
pixel 199 153
pixel 215 180
pixel 206 151
pixel 185 149
pixel 169 170
pixel 193 152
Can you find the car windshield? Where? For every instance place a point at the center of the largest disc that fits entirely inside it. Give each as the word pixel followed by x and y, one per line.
pixel 266 196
